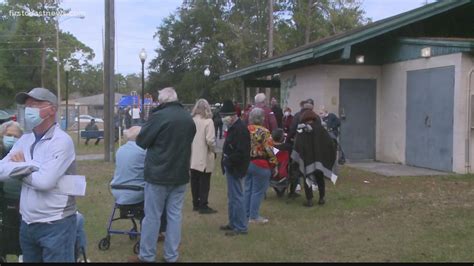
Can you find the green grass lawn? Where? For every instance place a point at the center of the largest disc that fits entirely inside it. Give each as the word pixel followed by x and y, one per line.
pixel 385 219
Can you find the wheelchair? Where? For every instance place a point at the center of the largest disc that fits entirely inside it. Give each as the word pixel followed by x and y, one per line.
pixel 134 212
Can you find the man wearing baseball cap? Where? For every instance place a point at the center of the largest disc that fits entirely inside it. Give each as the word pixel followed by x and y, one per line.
pixel 48 226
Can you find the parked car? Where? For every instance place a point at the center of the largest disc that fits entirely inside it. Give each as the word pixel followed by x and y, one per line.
pixel 87 119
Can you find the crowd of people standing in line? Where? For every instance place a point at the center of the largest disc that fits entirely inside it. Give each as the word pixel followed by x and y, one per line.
pixel 149 159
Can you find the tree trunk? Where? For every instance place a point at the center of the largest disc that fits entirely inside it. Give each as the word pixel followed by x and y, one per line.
pixel 307 32
pixel 43 60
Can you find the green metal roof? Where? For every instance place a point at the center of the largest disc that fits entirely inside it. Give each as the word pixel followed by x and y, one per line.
pixel 340 41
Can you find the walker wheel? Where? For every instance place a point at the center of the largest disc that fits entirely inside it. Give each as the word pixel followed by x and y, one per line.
pixel 136 248
pixel 104 243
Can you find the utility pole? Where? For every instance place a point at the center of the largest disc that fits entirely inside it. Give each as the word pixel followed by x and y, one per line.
pixel 109 95
pixel 268 91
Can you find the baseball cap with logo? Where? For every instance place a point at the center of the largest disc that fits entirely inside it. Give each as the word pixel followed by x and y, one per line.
pixel 40 94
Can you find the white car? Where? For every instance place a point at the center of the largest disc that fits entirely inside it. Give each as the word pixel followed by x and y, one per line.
pixel 87 119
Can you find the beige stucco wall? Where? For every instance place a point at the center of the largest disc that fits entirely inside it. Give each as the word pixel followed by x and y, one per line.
pixel 467 68
pixel 321 82
pixel 393 114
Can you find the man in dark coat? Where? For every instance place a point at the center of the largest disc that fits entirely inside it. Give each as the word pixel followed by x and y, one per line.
pixel 234 163
pixel 278 112
pixel 92 126
pixel 315 153
pixel 167 136
pixel 294 180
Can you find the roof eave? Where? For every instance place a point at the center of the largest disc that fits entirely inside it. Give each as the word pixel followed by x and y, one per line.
pixel 378 29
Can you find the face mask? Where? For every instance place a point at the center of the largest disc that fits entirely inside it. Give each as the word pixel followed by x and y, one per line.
pixel 227 120
pixel 287 113
pixel 8 142
pixel 32 117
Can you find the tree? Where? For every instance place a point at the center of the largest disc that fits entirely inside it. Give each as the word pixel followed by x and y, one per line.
pixel 225 35
pixel 28 46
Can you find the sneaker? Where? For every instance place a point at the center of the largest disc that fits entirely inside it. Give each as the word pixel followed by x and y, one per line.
pixel 207 210
pixel 298 187
pixel 235 233
pixel 259 220
pixel 226 227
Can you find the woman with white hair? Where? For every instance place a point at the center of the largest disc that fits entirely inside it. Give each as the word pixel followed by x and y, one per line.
pixel 263 163
pixel 10 132
pixel 129 166
pixel 129 170
pixel 202 156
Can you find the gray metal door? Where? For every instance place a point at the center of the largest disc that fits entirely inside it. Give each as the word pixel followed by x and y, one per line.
pixel 357 109
pixel 429 122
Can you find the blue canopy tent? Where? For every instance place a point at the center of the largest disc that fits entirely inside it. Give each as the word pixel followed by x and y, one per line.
pixel 129 100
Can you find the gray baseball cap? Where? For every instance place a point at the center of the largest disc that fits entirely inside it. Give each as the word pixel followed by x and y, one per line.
pixel 40 94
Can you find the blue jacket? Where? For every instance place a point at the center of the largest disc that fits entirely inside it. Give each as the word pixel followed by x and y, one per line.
pixel 129 166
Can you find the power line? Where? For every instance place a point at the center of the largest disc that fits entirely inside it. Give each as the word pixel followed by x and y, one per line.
pixel 29 48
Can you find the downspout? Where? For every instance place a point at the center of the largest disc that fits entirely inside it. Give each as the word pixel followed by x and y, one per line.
pixel 469 125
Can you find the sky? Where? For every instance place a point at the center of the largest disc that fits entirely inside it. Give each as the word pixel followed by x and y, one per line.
pixel 137 22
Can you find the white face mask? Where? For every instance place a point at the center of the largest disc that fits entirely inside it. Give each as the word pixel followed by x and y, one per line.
pixel 8 142
pixel 287 113
pixel 32 117
pixel 227 120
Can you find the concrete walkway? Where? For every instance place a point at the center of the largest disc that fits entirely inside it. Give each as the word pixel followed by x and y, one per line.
pixel 95 157
pixel 390 169
pixel 89 157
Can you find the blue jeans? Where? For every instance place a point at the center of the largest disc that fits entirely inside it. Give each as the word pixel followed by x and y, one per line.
pixel 158 197
pixel 49 242
pixel 236 208
pixel 257 181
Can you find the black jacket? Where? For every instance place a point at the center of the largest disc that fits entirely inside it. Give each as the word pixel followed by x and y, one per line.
pixel 167 136
pixel 236 150
pixel 278 115
pixel 332 122
pixel 314 150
